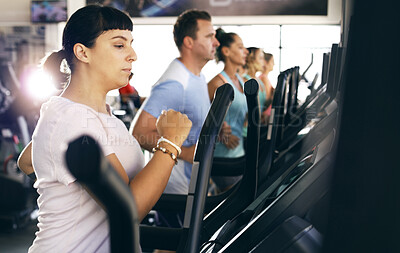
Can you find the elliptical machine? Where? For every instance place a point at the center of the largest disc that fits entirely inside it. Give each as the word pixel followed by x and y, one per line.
pixel 17 196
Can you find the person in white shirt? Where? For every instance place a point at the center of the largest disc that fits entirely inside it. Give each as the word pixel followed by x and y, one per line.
pixel 97 48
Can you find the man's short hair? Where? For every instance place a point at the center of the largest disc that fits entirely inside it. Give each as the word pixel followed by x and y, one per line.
pixel 186 25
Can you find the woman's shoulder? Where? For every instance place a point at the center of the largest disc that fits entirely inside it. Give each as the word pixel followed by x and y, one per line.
pixel 217 81
pixel 65 111
pixel 246 77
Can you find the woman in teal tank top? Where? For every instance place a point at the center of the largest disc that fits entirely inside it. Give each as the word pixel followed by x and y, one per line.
pixel 269 63
pixel 254 64
pixel 233 54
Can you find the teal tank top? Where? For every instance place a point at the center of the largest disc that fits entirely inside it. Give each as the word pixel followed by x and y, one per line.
pixel 235 118
pixel 262 98
pixel 262 93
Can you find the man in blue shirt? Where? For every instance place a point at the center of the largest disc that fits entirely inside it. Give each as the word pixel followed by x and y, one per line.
pixel 183 88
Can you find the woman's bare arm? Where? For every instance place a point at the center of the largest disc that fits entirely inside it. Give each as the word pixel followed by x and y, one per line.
pixel 25 160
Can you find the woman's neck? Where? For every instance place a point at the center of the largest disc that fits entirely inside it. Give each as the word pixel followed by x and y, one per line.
pixel 85 92
pixel 251 72
pixel 231 70
pixel 264 74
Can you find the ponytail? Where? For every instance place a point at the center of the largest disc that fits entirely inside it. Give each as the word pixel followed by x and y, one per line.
pixel 52 65
pixel 225 40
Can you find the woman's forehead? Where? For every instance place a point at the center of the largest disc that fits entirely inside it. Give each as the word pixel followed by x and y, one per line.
pixel 117 33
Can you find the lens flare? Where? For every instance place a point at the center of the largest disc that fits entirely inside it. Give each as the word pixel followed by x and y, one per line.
pixel 40 86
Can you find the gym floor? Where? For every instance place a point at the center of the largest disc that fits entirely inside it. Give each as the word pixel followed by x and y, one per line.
pixel 17 240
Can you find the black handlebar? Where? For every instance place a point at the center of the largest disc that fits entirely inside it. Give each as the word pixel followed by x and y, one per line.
pixel 202 168
pixel 87 163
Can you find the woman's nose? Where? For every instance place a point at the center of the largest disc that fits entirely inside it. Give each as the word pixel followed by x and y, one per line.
pixel 132 56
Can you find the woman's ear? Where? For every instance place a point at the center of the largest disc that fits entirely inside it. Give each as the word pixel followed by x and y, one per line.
pixel 81 53
pixel 225 51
